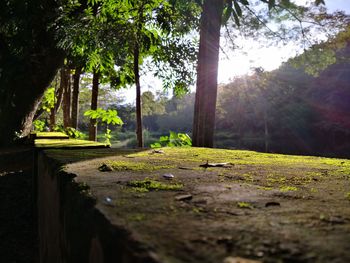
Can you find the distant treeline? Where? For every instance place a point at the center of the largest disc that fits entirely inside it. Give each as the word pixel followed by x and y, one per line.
pixel 285 111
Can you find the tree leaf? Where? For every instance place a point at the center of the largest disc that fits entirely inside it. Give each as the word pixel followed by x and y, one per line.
pixel 238 9
pixel 272 4
pixel 226 15
pixel 244 2
pixel 236 18
pixel 319 2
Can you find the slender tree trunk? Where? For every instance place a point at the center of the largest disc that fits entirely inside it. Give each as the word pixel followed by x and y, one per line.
pixel 94 100
pixel 266 131
pixel 52 119
pixel 75 98
pixel 65 83
pixel 207 71
pixel 138 98
pixel 59 98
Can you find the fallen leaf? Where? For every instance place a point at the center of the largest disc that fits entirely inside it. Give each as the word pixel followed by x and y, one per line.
pixel 206 165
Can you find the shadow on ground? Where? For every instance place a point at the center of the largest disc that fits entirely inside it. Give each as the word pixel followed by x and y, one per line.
pixel 18 227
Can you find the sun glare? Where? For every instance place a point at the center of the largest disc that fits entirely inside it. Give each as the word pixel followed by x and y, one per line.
pixel 253 56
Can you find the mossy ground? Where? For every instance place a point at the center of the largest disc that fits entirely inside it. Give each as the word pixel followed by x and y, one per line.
pixel 270 207
pixel 67 143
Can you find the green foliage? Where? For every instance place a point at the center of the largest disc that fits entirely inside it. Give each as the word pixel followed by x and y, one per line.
pixel 105 116
pixel 48 101
pixel 173 140
pixel 70 131
pixel 39 125
pixel 315 61
pixel 108 136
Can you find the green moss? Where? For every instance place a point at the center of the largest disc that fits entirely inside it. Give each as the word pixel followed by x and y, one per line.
pixel 58 135
pixel 304 168
pixel 313 190
pixel 275 179
pixel 265 188
pixel 197 210
pixel 66 143
pixel 138 166
pixel 137 217
pixel 151 185
pixel 244 205
pixel 139 190
pixel 347 195
pixel 288 188
pixel 237 157
pixel 84 189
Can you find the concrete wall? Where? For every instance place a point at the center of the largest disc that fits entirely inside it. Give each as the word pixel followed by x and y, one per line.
pixel 71 229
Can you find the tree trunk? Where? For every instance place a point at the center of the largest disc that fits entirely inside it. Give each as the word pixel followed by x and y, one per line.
pixel 207 71
pixel 75 98
pixel 94 100
pixel 29 61
pixel 21 92
pixel 65 83
pixel 52 119
pixel 138 98
pixel 58 101
pixel 266 131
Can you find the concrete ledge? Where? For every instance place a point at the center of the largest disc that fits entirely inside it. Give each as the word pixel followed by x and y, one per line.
pixel 71 229
pixel 189 205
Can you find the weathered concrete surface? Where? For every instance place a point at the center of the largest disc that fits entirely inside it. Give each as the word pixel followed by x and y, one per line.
pixel 71 229
pixel 271 208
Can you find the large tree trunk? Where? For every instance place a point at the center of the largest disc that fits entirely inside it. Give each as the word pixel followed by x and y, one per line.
pixel 138 98
pixel 27 66
pixel 21 91
pixel 94 100
pixel 207 71
pixel 75 98
pixel 67 96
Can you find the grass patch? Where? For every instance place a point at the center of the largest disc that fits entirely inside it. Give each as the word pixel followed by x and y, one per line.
pixel 152 185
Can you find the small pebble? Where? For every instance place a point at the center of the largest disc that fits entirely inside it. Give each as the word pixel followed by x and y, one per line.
pixel 108 201
pixel 168 176
pixel 105 168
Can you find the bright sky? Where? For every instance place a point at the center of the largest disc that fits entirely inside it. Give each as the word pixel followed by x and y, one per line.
pixel 268 58
pixel 238 64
